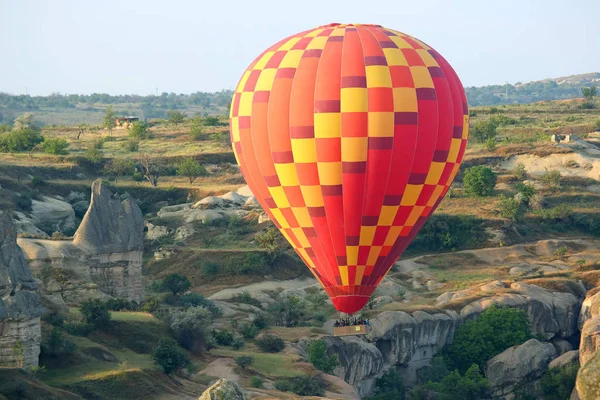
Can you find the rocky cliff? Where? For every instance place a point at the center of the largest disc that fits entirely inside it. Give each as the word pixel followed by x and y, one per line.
pixel 20 307
pixel 104 257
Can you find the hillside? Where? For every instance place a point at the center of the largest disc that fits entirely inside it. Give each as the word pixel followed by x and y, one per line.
pixel 530 245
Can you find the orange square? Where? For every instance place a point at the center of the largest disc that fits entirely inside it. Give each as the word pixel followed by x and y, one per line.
pixel 329 149
pixel 355 124
pixel 381 99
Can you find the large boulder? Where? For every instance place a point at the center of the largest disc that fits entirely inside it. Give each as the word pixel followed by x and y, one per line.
pixel 568 359
pixel 112 224
pixel 53 215
pixel 20 307
pixel 588 384
pixel 590 339
pixel 223 390
pixel 518 365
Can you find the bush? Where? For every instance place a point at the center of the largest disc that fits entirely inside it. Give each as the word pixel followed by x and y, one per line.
pixel 449 232
pixel 139 130
pixel 270 343
pixel 520 171
pixel 244 361
pixel 57 344
pixel 596 126
pixel 137 176
pixel 509 208
pixel 471 386
pixel 210 269
pixel 493 331
pixel 191 169
pixel 287 310
pixel 389 386
pixel 480 181
pixel 306 385
pixel 490 144
pixel 237 343
pixel 191 326
pixel 132 145
pixel 151 304
pixel 558 383
pixel 195 300
pixel 20 140
pixel 94 155
pixel 551 179
pixel 168 356
pixel 37 181
pixel 211 121
pixel 256 382
pixel 223 338
pixel 248 331
pixel 246 298
pixel 484 130
pixel 78 328
pixel 197 129
pixel 56 146
pixel 176 283
pixel 317 356
pixel 95 312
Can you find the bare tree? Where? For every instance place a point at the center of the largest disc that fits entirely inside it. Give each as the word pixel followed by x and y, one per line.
pixel 150 170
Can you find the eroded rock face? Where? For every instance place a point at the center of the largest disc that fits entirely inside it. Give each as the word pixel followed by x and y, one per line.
pixel 20 307
pixel 52 214
pixel 589 322
pixel 518 365
pixel 223 389
pixel 588 384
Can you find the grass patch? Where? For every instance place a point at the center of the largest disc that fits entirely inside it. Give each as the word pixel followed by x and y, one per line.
pixel 272 365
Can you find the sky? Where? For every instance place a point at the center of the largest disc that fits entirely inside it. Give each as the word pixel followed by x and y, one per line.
pixel 185 46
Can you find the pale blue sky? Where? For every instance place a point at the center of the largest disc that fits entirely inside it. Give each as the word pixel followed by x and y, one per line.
pixel 135 46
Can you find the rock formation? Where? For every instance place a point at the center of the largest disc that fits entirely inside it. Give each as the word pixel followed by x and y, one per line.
pixel 103 259
pixel 52 214
pixel 223 389
pixel 588 384
pixel 589 323
pixel 20 308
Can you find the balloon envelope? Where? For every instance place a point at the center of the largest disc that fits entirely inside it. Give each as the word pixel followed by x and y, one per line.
pixel 349 136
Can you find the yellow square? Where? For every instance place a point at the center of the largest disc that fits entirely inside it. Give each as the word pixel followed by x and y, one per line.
pixel 367 233
pixel 405 99
pixel 235 130
pixel 303 217
pixel 435 195
pixel 291 59
pixel 289 44
pixel 317 43
pixel 313 197
pixel 240 87
pixel 305 150
pixel 245 109
pixel 314 33
pixel 427 58
pixel 401 43
pixel 281 220
pixel 299 233
pixel 354 148
pixel 330 173
pixel 465 132
pixel 260 64
pixel 373 255
pixel 454 148
pixel 354 100
pixel 414 216
pixel 344 274
pixel 327 125
pixel 392 235
pixel 287 174
pixel 381 124
pixel 352 255
pixel 387 215
pixel 411 194
pixel 265 80
pixel 360 270
pixel 421 77
pixel 435 172
pixel 378 76
pixel 279 197
pixel 394 57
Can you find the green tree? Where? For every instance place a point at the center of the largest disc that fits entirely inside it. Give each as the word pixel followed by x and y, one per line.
pixel 109 119
pixel 480 181
pixel 317 355
pixel 484 130
pixel 24 136
pixel 95 312
pixel 176 283
pixel 244 361
pixel 197 128
pixel 389 386
pixel 526 190
pixel 269 240
pixel 558 383
pixel 211 121
pixel 287 310
pixel 471 386
pixel 270 343
pixel 175 117
pixel 168 356
pixel 56 146
pixel 139 130
pixel 119 167
pixel 520 171
pixel 191 169
pixel 191 327
pixel 551 179
pixel 493 331
pixel 589 93
pixel 93 154
pixel 509 208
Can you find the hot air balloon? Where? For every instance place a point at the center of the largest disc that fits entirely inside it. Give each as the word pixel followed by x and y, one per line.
pixel 349 136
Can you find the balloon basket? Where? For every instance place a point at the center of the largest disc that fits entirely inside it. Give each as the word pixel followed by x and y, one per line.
pixel 350 330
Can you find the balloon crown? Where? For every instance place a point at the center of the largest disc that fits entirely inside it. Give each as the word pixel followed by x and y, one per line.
pixel 337 24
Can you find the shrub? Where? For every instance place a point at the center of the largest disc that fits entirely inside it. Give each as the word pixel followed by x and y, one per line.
pixel 449 232
pixel 137 176
pixel 480 181
pixel 57 344
pixel 317 355
pixel 246 298
pixel 221 137
pixel 197 128
pixel 139 130
pixel 24 139
pixel 306 385
pixel 484 130
pixel 210 269
pixel 248 331
pixel 558 383
pixel 260 321
pixel 151 304
pixel 471 386
pixel 37 181
pixel 176 283
pixel 389 386
pixel 526 190
pixel 561 251
pixel 211 121
pixel 56 146
pixel 237 343
pixel 520 171
pixel 270 343
pixel 596 126
pixel 268 240
pixel 94 155
pixel 191 169
pixel 191 327
pixel 244 361
pixel 509 208
pixel 95 312
pixel 551 179
pixel 195 300
pixel 493 331
pixel 490 144
pixel 168 356
pixel 287 310
pixel 132 145
pixel 223 338
pixel 78 328
pixel 256 382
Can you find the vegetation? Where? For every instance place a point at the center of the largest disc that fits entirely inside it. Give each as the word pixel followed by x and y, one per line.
pixel 389 386
pixel 287 310
pixel 175 117
pixel 270 343
pixel 139 130
pixel 244 361
pixel 95 312
pixel 109 119
pixel 306 385
pixel 168 356
pixel 191 327
pixel 176 283
pixel 480 181
pixel 317 355
pixel 509 208
pixel 558 383
pixel 55 146
pixel 191 169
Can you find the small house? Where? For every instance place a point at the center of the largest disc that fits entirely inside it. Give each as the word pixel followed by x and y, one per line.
pixel 125 121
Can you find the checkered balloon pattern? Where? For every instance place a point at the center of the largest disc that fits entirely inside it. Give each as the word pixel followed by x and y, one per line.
pixel 349 136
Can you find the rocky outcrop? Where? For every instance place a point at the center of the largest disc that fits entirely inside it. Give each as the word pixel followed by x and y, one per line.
pixel 222 390
pixel 518 365
pixel 103 259
pixel 20 307
pixel 588 384
pixel 53 214
pixel 566 360
pixel 589 322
